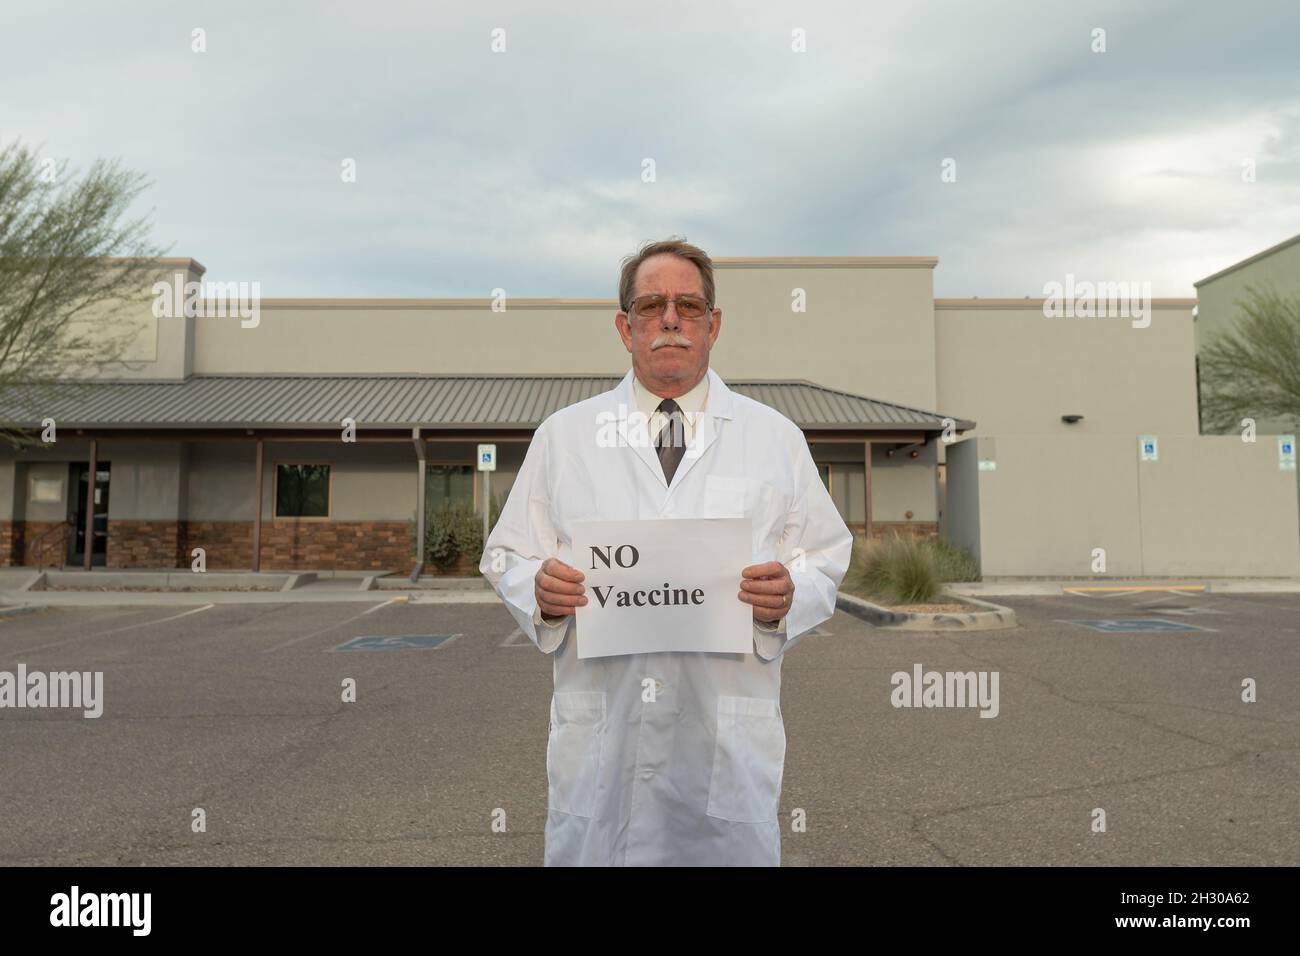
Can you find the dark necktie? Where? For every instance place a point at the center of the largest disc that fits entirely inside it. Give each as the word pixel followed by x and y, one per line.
pixel 671 443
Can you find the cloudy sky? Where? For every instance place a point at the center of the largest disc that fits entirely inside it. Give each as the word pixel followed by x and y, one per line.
pixel 522 169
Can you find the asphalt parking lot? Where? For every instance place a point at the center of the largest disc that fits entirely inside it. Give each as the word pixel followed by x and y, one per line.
pixel 237 710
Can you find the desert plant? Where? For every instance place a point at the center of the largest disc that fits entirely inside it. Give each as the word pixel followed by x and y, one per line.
pixel 439 535
pixel 902 570
pixel 454 531
pixel 467 532
pixel 954 563
pixel 901 567
pixel 897 569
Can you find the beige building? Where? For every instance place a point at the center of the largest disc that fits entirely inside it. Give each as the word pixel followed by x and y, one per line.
pixel 923 415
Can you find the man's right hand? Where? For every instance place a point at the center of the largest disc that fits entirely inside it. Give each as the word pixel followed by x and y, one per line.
pixel 558 588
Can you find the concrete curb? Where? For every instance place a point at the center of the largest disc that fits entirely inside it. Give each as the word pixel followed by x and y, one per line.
pixel 183 581
pixel 1049 587
pixel 432 584
pixel 193 598
pixel 985 616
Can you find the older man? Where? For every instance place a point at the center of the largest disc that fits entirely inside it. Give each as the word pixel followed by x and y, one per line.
pixel 669 758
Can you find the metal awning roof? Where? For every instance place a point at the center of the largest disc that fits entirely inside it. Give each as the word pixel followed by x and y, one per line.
pixel 401 401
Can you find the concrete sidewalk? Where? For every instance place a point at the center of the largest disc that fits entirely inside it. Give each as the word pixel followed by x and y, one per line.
pixel 325 586
pixel 13 600
pixel 23 578
pixel 1012 587
pixel 28 587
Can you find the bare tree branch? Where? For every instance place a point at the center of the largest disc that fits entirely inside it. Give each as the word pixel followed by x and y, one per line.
pixel 71 261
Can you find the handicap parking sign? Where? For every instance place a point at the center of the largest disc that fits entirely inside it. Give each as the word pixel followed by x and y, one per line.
pixel 395 642
pixel 487 457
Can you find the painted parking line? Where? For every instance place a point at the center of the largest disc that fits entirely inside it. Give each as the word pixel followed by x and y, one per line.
pixel 516 637
pixel 400 599
pixel 324 630
pixel 1110 590
pixel 456 597
pixel 116 630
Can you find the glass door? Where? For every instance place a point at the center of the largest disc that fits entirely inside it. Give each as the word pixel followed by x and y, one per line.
pixel 80 476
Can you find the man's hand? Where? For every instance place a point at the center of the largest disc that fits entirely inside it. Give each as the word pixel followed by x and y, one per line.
pixel 769 588
pixel 558 588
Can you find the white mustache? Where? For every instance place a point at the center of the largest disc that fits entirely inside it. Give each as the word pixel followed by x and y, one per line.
pixel 670 338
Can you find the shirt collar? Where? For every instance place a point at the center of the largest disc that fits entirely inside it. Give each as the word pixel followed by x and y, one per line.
pixel 692 403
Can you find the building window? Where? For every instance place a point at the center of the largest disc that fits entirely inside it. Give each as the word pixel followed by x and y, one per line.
pixel 449 484
pixel 46 491
pixel 846 483
pixel 825 472
pixel 302 490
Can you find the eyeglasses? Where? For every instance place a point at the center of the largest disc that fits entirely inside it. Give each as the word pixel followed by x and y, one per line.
pixel 654 306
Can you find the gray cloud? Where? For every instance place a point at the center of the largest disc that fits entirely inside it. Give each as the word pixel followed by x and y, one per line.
pixel 522 170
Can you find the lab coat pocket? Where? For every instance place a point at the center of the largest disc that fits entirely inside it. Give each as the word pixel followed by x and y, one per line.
pixel 573 751
pixel 724 497
pixel 748 761
pixel 763 504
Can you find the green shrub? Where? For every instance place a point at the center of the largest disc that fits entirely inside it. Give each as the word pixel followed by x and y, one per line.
pixel 901 569
pixel 440 535
pixel 898 569
pixel 954 563
pixel 467 533
pixel 454 531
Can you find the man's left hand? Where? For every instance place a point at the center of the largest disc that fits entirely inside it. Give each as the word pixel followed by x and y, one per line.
pixel 769 588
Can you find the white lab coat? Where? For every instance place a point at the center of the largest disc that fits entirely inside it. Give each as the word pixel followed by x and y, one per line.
pixel 693 778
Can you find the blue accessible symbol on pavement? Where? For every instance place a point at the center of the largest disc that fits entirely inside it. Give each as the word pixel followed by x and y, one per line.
pixel 1139 626
pixel 396 642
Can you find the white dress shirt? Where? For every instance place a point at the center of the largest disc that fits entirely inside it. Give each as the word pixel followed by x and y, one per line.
pixel 691 405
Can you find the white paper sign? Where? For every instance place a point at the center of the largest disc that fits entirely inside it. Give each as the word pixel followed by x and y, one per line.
pixel 665 584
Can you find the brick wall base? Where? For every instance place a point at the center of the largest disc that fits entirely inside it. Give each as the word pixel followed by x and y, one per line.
pixel 143 544
pixel 286 545
pixel 228 545
pixel 20 542
pixel 338 545
pixel 8 552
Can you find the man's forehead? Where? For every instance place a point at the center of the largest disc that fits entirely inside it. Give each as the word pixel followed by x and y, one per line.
pixel 668 274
